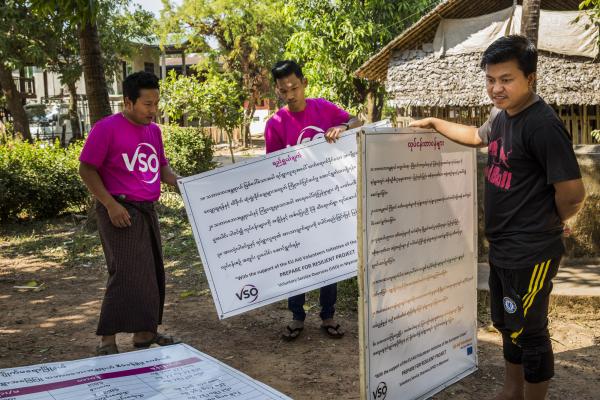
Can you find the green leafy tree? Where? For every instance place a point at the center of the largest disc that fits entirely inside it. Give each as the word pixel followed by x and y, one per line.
pixel 217 100
pixel 22 40
pixel 593 9
pixel 335 37
pixel 223 100
pixel 84 15
pixel 181 95
pixel 251 37
pixel 119 30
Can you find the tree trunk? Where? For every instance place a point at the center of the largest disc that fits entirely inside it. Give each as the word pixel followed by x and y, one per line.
pixel 374 104
pixel 530 23
pixel 93 72
pixel 230 140
pixel 530 20
pixel 14 103
pixel 248 115
pixel 73 115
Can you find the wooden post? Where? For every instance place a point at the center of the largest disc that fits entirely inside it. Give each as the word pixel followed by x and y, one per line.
pixel 63 136
pixel 597 118
pixel 45 76
pixel 362 300
pixel 163 70
pixel 585 126
pixel 574 127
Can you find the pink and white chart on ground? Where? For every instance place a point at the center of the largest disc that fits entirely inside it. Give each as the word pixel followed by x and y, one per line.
pixel 172 372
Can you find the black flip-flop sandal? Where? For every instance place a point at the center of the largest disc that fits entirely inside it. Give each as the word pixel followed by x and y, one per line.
pixel 107 350
pixel 336 334
pixel 292 333
pixel 159 339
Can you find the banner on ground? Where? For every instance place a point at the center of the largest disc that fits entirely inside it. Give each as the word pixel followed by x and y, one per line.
pixel 417 263
pixel 170 372
pixel 277 225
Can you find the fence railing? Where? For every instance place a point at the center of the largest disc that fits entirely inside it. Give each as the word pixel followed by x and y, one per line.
pixel 26 86
pixel 219 136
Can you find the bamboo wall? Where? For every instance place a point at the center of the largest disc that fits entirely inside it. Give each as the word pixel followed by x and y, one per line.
pixel 579 120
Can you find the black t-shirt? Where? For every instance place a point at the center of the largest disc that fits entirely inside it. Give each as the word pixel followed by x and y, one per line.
pixel 527 154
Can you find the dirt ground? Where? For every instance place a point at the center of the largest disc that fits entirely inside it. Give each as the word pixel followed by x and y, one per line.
pixel 58 322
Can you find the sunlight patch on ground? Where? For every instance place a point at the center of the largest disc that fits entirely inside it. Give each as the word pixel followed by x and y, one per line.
pixel 9 331
pixel 72 319
pixel 92 303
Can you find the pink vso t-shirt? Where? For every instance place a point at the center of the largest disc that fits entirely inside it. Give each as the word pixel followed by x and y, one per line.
pixel 286 128
pixel 128 157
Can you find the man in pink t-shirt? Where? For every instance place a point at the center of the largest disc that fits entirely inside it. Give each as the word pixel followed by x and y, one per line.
pixel 300 121
pixel 123 164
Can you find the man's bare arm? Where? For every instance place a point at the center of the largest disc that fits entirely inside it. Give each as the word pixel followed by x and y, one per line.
pixel 117 213
pixel 335 132
pixel 462 134
pixel 168 176
pixel 569 198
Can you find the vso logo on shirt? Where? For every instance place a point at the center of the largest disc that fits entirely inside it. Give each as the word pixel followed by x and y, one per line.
pixel 309 133
pixel 143 162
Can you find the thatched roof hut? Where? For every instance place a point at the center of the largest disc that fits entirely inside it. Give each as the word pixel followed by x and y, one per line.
pixel 421 82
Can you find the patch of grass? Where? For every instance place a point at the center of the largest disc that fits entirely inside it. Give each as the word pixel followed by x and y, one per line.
pixel 179 247
pixel 58 240
pixel 347 297
pixel 66 242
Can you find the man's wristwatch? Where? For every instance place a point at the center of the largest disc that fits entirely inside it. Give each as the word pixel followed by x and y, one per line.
pixel 347 125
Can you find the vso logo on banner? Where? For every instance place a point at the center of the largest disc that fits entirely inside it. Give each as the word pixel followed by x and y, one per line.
pixel 248 292
pixel 380 392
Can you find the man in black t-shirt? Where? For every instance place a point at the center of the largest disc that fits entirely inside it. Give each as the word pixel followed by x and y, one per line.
pixel 532 186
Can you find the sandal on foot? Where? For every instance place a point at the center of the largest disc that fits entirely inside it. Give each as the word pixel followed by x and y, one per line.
pixel 291 334
pixel 107 350
pixel 159 339
pixel 333 331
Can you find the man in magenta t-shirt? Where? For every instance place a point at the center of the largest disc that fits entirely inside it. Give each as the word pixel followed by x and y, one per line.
pixel 303 120
pixel 123 164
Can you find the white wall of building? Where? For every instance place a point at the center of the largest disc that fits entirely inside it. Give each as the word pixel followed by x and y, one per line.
pixel 257 126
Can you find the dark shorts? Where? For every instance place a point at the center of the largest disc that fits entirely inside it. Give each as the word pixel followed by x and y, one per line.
pixel 519 306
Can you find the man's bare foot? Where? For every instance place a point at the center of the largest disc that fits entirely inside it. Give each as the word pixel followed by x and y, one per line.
pixel 107 346
pixel 108 340
pixel 292 330
pixel 140 337
pixel 332 328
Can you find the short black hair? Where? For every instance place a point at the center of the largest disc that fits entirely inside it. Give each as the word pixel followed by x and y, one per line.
pixel 512 47
pixel 286 68
pixel 136 81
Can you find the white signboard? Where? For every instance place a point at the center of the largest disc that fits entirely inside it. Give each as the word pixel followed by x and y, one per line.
pixel 171 372
pixel 276 226
pixel 418 263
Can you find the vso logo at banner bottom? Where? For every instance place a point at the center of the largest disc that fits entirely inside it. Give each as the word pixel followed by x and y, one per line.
pixel 247 292
pixel 380 392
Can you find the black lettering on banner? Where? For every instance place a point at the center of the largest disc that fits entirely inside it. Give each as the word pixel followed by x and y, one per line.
pixel 247 292
pixel 380 391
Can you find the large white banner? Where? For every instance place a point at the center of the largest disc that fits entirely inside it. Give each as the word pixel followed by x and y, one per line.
pixel 170 372
pixel 278 225
pixel 418 263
